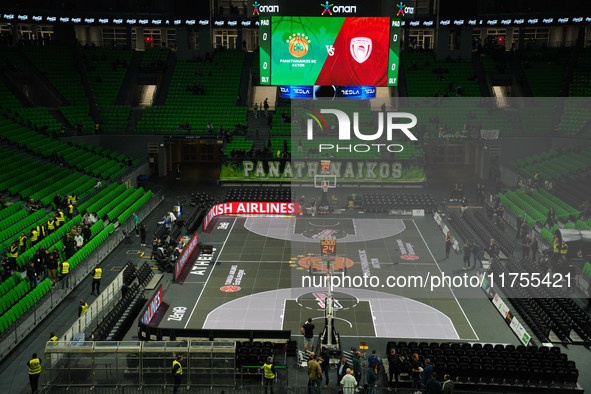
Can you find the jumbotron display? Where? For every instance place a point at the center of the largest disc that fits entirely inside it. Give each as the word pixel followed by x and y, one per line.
pixel 350 51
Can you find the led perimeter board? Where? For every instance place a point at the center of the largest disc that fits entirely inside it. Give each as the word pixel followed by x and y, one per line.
pixel 344 51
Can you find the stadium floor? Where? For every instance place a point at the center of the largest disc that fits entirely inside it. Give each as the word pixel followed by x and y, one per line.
pixel 257 280
pixel 485 321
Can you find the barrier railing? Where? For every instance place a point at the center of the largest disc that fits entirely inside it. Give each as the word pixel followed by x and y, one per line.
pixel 250 389
pixel 97 311
pixel 137 363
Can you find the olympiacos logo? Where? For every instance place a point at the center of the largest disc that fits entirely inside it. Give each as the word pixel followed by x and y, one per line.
pixel 361 48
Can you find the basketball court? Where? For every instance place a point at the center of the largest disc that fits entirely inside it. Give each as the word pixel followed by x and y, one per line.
pixel 266 273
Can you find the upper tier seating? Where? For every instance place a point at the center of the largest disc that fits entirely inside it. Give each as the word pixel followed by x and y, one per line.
pixel 423 82
pixel 106 71
pixel 217 105
pixel 58 65
pixel 545 70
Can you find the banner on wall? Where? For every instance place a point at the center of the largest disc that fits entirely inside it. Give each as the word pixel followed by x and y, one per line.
pixel 269 208
pixel 450 136
pixel 152 307
pixel 185 255
pixel 344 170
pixel 489 134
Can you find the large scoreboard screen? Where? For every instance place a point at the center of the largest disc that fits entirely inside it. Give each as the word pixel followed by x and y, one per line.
pixel 350 51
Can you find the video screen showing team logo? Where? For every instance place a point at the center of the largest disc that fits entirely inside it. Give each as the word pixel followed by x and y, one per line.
pixel 329 51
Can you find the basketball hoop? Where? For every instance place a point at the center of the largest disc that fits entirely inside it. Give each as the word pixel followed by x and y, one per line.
pixel 325 187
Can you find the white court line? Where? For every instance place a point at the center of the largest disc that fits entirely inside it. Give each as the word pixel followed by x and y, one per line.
pixel 335 317
pixel 253 261
pixel 439 268
pixel 283 314
pixel 209 276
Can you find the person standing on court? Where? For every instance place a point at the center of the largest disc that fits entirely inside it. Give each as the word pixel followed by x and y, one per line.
pixel 314 373
pixel 448 385
pixel 142 234
pixel 308 331
pixel 432 386
pixel 357 367
pixel 348 382
pixel 136 223
pixel 324 358
pixel 394 365
pixel 518 227
pixel 82 308
pixel 155 244
pixel 177 372
pixel 427 372
pixel 415 371
pixel 525 244
pixel 448 243
pixel 96 273
pixel 463 205
pixel 372 377
pixel 374 357
pixel 467 250
pixel 342 369
pixel 535 246
pixel 269 374
pixel 34 372
pixel 476 254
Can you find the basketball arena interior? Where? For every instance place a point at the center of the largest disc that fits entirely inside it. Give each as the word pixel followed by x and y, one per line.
pixel 402 189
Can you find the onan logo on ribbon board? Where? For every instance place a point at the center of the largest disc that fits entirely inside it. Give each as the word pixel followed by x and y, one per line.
pixel 329 9
pixel 258 8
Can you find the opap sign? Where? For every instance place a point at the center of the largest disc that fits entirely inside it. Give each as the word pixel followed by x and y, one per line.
pixel 152 307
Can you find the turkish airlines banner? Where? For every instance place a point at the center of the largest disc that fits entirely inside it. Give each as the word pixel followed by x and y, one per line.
pixel 187 252
pixel 271 208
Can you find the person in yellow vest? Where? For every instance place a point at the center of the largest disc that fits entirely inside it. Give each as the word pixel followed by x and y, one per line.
pixel 13 255
pixel 34 236
pixel 556 248
pixel 564 248
pixel 70 210
pixel 22 243
pixel 73 199
pixel 177 372
pixel 34 372
pixel 42 230
pixel 96 279
pixel 51 224
pixel 269 373
pixel 60 217
pixel 52 337
pixel 64 274
pixel 82 308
